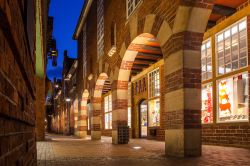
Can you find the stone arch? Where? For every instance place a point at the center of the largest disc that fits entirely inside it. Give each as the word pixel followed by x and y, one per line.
pixel 96 114
pixel 82 115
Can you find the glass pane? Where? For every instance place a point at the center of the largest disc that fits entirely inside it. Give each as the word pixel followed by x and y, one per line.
pixel 243 43
pixel 242 25
pixel 234 30
pixel 220 46
pixel 228 67
pixel 243 62
pixel 233 99
pixel 235 65
pixel 220 37
pixel 209 75
pixel 154 112
pixel 207 103
pixel 227 59
pixel 220 54
pixel 243 53
pixel 204 76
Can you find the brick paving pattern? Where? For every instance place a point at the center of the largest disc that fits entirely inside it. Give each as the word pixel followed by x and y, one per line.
pixel 63 150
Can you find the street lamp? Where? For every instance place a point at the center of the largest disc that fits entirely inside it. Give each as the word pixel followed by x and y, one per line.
pixel 67 99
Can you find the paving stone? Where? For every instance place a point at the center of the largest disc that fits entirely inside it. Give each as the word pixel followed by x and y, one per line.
pixel 67 150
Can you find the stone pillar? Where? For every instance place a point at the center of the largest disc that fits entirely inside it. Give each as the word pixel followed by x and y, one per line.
pixel 40 109
pixel 96 119
pixel 183 80
pixel 120 107
pixel 76 118
pixel 82 128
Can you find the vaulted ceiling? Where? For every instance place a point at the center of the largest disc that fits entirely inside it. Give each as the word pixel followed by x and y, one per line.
pixel 149 52
pixel 223 8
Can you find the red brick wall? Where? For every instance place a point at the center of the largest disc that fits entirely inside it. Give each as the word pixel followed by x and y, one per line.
pixel 17 90
pixel 226 134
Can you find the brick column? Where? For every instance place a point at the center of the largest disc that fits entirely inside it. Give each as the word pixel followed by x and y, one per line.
pixel 40 108
pixel 120 107
pixel 75 107
pixel 82 118
pixel 96 118
pixel 183 80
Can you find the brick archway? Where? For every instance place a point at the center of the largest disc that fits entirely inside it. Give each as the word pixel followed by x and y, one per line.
pixel 180 42
pixel 96 114
pixel 82 115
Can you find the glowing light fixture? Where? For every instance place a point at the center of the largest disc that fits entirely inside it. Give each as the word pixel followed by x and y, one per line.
pixel 112 51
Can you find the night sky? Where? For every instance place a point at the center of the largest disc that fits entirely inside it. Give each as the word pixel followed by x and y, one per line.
pixel 66 14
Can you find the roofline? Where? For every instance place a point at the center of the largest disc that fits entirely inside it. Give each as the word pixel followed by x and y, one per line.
pixel 82 18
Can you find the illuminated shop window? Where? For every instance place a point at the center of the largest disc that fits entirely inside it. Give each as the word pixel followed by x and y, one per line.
pixel 154 83
pixel 231 48
pixel 89 107
pixel 206 60
pixel 100 28
pixel 108 111
pixel 129 117
pixel 154 112
pixel 233 98
pixel 131 6
pixel 129 104
pixel 207 103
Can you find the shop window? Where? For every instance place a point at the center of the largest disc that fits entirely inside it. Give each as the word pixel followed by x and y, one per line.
pixel 207 104
pixel 131 6
pixel 100 28
pixel 154 112
pixel 129 117
pixel 231 48
pixel 108 111
pixel 233 99
pixel 154 83
pixel 129 104
pixel 206 60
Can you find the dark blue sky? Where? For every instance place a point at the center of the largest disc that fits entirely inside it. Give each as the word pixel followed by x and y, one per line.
pixel 66 14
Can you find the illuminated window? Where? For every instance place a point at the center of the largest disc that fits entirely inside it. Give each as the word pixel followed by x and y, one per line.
pixel 231 48
pixel 154 83
pixel 129 117
pixel 154 112
pixel 100 28
pixel 207 103
pixel 131 6
pixel 129 105
pixel 108 111
pixel 206 60
pixel 233 98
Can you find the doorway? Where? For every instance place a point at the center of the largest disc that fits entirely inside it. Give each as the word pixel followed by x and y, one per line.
pixel 143 119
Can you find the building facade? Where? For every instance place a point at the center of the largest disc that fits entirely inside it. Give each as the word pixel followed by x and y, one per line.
pixel 22 70
pixel 175 71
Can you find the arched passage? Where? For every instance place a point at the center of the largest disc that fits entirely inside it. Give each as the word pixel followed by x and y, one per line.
pixel 82 116
pixel 97 102
pixel 142 52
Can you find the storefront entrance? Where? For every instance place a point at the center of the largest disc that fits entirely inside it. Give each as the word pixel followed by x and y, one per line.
pixel 143 116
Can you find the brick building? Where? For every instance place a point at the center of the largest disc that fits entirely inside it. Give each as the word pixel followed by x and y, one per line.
pixel 165 69
pixel 23 29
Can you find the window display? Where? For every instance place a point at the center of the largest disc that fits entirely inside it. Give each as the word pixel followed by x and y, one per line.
pixel 206 60
pixel 129 117
pixel 207 103
pixel 233 98
pixel 231 48
pixel 108 111
pixel 154 112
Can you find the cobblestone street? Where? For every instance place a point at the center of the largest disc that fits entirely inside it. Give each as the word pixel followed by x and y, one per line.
pixel 63 150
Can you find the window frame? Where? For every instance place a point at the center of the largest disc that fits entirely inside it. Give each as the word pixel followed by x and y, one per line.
pixel 149 84
pixel 216 47
pixel 134 7
pixel 109 111
pixel 217 98
pixel 211 55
